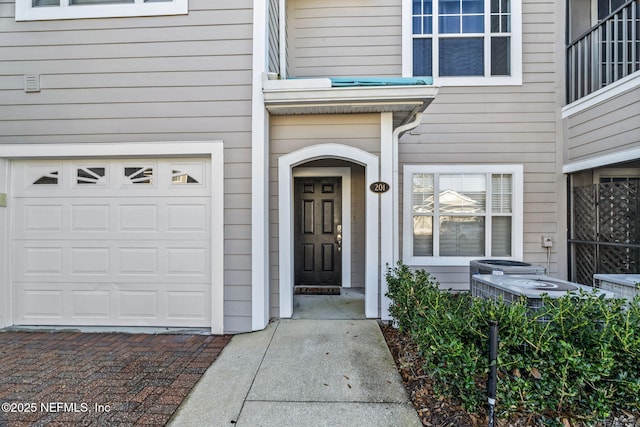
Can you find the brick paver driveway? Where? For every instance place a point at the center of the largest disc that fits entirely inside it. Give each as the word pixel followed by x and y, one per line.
pixel 98 379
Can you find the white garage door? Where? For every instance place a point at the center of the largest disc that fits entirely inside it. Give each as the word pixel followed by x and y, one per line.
pixel 112 242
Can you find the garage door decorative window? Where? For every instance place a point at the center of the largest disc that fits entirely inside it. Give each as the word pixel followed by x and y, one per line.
pixel 139 175
pixel 91 175
pixel 179 177
pixel 47 179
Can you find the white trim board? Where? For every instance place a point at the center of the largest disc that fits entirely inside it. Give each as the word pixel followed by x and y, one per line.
pixel 212 149
pixel 6 315
pixel 345 174
pixel 602 95
pixel 26 12
pixel 259 174
pixel 604 160
pixel 285 223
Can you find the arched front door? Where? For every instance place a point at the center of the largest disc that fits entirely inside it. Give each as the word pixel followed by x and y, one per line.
pixel 286 226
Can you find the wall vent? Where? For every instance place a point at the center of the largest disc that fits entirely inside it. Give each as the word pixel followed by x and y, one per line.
pixel 32 82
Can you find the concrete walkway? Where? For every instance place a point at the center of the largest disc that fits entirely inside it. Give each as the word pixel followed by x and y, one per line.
pixel 310 372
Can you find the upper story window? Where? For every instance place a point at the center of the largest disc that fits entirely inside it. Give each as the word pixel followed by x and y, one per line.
pixel 36 10
pixel 463 42
pixel 453 214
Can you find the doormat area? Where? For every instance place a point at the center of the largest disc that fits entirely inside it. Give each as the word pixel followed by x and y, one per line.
pixel 316 290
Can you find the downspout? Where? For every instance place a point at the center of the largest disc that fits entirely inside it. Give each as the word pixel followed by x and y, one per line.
pixel 397 132
pixel 390 214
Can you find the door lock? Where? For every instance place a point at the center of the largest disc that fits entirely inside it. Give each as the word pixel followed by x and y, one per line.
pixel 339 238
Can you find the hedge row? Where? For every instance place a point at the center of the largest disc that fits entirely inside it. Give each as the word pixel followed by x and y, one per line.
pixel 576 358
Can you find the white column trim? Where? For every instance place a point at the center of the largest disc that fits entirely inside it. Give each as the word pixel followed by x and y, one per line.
pixel 285 220
pixel 259 174
pixel 6 297
pixel 387 208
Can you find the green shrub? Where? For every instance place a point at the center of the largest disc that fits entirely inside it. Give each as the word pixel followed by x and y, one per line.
pixel 576 356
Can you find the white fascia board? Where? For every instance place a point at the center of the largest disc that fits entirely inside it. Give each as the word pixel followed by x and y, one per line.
pixel 604 160
pixel 602 95
pixel 346 94
pixel 270 85
pixel 71 150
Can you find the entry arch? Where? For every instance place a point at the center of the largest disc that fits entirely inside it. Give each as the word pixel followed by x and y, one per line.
pixel 286 163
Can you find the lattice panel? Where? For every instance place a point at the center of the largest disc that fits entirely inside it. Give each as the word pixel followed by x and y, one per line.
pixel 584 213
pixel 618 212
pixel 603 214
pixel 616 260
pixel 584 263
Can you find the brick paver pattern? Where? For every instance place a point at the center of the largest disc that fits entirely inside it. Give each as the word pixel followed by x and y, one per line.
pixel 99 379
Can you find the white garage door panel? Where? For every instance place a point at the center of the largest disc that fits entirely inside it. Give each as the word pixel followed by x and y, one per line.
pixel 153 218
pixel 112 242
pixel 38 304
pixel 68 261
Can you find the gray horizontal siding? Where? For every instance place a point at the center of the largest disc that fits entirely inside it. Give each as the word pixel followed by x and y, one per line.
pixel 343 38
pixel 507 125
pixel 172 78
pixel 606 128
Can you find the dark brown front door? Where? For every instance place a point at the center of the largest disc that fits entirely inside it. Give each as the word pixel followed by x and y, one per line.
pixel 318 231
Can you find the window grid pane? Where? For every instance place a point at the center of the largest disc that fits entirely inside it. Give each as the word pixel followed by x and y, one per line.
pixel 422 16
pixel 501 236
pixel 461 16
pixel 423 193
pixel 461 56
pixel 462 236
pixel 463 194
pixel 501 193
pixel 422 57
pixel 500 16
pixel 422 235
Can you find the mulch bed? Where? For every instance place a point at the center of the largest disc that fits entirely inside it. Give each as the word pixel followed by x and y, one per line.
pixel 444 412
pixel 102 379
pixel 432 410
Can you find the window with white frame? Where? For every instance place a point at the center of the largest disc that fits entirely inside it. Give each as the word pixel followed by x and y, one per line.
pixel 456 213
pixel 464 42
pixel 35 10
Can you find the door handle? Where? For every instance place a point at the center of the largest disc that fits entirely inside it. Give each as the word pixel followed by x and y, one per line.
pixel 339 238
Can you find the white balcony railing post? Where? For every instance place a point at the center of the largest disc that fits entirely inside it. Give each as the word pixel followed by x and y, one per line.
pixel 606 53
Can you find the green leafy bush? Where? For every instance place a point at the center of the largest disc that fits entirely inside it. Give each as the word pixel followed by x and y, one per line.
pixel 575 357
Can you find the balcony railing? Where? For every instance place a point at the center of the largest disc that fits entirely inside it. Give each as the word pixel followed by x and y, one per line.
pixel 606 53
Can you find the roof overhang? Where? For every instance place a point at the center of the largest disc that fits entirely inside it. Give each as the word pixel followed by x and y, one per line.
pixel 319 96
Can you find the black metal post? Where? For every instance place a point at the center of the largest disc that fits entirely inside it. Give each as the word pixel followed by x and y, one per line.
pixel 492 381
